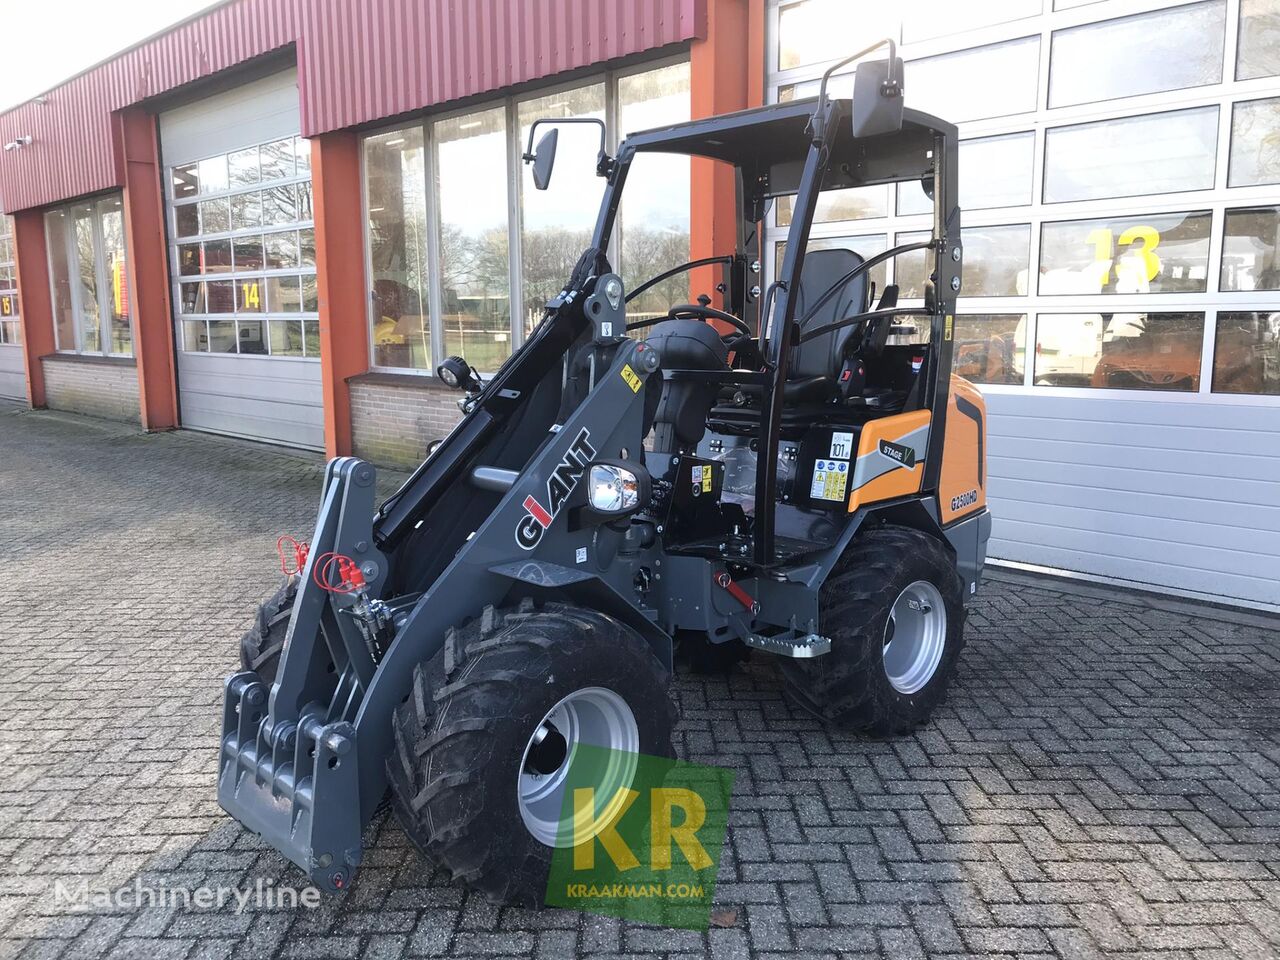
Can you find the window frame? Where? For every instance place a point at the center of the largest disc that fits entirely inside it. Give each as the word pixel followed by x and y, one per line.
pixel 100 279
pixel 13 320
pixel 515 183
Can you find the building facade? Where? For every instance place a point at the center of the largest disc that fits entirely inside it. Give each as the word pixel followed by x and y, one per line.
pixel 275 220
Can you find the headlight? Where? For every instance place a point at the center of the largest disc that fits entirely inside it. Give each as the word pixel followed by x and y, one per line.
pixel 612 489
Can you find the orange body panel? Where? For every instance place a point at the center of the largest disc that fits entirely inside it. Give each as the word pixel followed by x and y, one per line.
pixel 897 481
pixel 962 485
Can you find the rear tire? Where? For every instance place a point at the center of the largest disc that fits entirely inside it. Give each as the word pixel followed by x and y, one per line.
pixel 467 772
pixel 893 608
pixel 262 645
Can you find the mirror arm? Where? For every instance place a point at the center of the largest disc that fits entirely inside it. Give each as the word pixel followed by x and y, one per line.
pixel 891 87
pixel 604 162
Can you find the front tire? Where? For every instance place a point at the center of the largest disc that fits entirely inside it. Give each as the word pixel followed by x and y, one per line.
pixel 893 608
pixel 262 645
pixel 482 744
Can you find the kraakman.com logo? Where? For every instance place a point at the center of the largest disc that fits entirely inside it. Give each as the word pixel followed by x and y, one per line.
pixel 650 851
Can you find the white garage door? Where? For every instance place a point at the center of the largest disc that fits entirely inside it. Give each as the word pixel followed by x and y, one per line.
pixel 13 379
pixel 242 262
pixel 1178 491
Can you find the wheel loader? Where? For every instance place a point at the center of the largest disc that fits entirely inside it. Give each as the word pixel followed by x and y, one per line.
pixel 770 470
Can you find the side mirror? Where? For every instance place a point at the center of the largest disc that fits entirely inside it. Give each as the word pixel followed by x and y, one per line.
pixel 877 97
pixel 544 158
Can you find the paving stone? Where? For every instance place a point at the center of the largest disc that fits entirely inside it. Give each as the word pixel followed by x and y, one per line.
pixel 1102 779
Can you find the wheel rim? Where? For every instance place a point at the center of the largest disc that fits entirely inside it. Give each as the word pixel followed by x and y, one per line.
pixel 593 717
pixel 915 637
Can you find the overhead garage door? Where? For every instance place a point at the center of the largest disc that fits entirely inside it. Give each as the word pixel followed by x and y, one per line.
pixel 242 262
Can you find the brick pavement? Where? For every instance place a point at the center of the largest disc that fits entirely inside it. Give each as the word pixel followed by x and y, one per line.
pixel 1103 780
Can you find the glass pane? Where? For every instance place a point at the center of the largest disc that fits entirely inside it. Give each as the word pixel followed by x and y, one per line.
pixel 244 167
pixel 311 337
pixel 195 336
pixel 249 295
pixel 310 295
pixel 117 272
pixel 277 159
pixel 280 205
pixel 395 188
pixel 1258 49
pixel 1147 53
pixel 215 216
pixel 248 252
pixel 1246 354
pixel 990 347
pixel 1157 153
pixel 246 210
pixel 220 296
pixel 186 181
pixel 217 256
pixel 213 175
pixel 1122 351
pixel 1255 143
pixel 87 275
pixel 474 268
pixel 995 260
pixel 222 336
pixel 853 203
pixel 1251 250
pixel 924 19
pixel 557 222
pixel 302 155
pixel 865 246
pixel 284 294
pixel 818 30
pixel 655 205
pixel 307 247
pixel 192 298
pixel 1159 253
pixel 56 228
pixel 994 172
pixel 253 335
pixel 959 86
pixel 286 338
pixel 304 202
pixel 187 220
pixel 189 263
pixel 281 250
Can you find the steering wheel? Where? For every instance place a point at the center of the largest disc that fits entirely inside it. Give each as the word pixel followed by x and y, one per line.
pixel 697 311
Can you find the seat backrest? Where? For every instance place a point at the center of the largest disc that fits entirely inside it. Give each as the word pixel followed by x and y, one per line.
pixel 822 356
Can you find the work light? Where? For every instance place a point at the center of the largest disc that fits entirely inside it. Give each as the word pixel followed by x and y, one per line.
pixel 613 489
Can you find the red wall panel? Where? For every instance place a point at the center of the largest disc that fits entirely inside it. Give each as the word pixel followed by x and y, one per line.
pixel 358 61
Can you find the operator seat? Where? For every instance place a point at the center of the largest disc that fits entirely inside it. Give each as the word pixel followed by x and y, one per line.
pixel 680 417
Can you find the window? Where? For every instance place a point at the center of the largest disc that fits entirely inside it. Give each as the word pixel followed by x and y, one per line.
pixel 243 251
pixel 1255 143
pixel 10 322
pixel 1124 351
pixel 995 262
pixel 1246 354
pixel 1251 250
pixel 994 172
pixel 1258 49
pixel 1156 153
pixel 396 199
pixel 959 86
pixel 851 203
pixel 990 347
pixel 1147 53
pixel 471 176
pixel 1160 253
pixel 442 262
pixel 89 277
pixel 556 223
pixel 654 218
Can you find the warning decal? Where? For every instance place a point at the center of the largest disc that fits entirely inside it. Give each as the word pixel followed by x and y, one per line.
pixel 629 375
pixel 702 477
pixel 830 480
